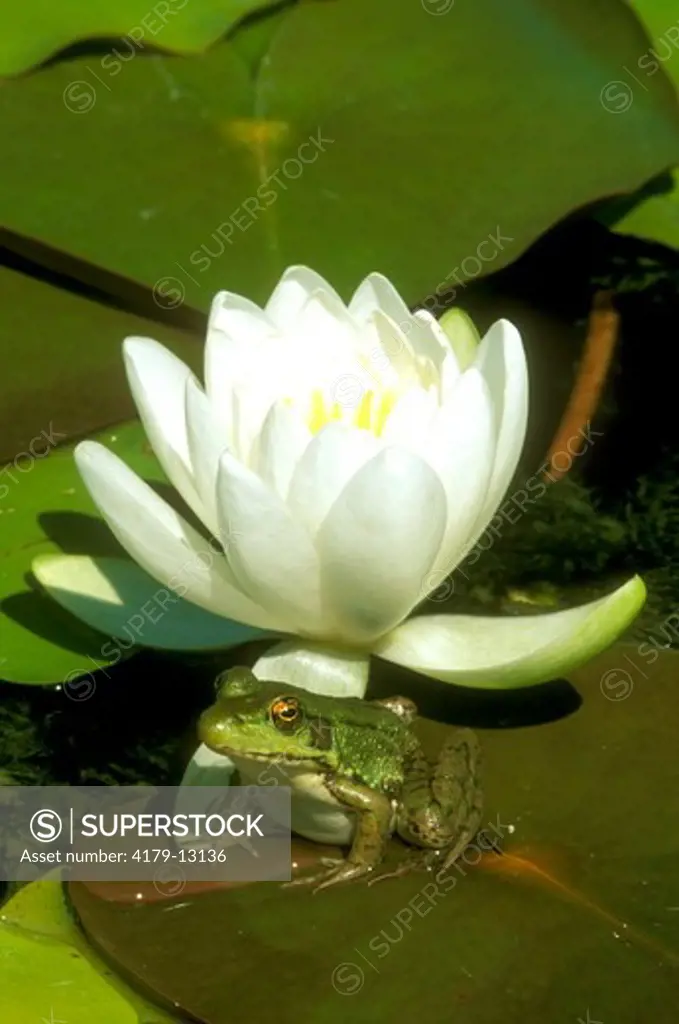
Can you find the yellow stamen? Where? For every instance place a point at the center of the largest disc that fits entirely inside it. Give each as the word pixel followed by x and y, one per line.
pixel 318 416
pixel 387 403
pixel 371 413
pixel 363 417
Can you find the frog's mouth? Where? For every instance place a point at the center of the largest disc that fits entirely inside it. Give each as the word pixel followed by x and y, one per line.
pixel 264 758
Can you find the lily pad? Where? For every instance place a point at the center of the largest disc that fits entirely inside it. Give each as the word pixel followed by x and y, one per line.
pixel 31 32
pixel 661 21
pixel 584 895
pixel 62 369
pixel 49 973
pixel 344 150
pixel 655 218
pixel 47 511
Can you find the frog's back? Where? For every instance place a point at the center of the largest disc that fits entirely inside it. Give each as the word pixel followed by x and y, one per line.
pixel 371 747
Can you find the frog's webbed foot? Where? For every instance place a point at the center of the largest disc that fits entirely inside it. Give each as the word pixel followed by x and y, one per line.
pixel 347 872
pixel 404 867
pixel 436 860
pixel 422 860
pixel 329 863
pixel 339 871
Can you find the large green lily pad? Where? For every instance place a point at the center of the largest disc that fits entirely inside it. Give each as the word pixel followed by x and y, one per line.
pixel 31 32
pixel 49 973
pixel 655 218
pixel 435 147
pixel 62 368
pixel 661 20
pixel 580 915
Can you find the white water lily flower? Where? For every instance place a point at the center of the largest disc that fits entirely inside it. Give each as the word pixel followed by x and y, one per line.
pixel 345 460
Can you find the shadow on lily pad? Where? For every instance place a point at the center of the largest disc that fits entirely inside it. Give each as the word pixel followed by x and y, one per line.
pixel 478 708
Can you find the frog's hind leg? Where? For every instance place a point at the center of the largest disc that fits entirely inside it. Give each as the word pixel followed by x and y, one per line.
pixel 441 807
pixel 461 759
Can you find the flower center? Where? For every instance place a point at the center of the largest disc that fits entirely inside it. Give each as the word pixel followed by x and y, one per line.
pixel 367 410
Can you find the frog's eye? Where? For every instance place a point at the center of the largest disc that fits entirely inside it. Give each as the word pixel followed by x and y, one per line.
pixel 285 712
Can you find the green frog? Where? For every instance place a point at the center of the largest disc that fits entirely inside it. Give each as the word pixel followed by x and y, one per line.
pixel 361 756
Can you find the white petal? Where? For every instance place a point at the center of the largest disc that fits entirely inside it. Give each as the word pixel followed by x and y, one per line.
pixel 502 361
pixel 251 404
pixel 426 337
pixel 378 543
pixel 207 441
pixel 322 345
pixel 461 448
pixel 450 373
pixel 332 458
pixel 316 668
pixel 409 422
pixel 434 331
pixel 157 380
pixel 499 653
pixel 205 768
pixel 280 446
pixel 292 292
pixel 392 358
pixel 325 326
pixel 243 322
pixel 119 599
pixel 377 292
pixel 237 329
pixel 161 541
pixel 315 357
pixel 271 555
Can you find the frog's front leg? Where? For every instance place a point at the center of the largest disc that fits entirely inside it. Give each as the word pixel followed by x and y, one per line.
pixel 373 812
